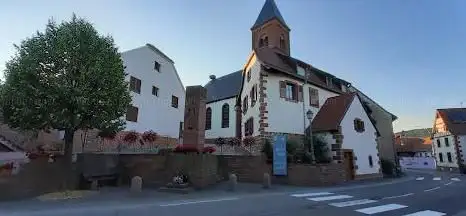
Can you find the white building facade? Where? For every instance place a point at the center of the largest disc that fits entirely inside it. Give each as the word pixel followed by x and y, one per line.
pixel 449 138
pixel 158 96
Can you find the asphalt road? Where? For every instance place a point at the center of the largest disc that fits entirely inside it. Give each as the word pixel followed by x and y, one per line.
pixel 424 194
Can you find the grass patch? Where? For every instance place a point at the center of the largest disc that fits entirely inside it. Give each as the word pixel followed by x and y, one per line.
pixel 64 195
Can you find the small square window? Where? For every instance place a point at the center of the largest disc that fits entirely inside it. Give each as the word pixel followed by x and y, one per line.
pixel 132 114
pixel 155 91
pixel 156 66
pixel 174 101
pixel 135 84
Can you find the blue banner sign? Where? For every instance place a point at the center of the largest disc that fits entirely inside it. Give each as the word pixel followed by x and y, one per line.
pixel 279 155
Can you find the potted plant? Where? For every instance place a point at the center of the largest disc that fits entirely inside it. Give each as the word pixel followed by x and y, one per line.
pixel 220 142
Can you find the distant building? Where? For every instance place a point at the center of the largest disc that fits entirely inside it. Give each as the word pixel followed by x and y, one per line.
pixel 413 146
pixel 449 138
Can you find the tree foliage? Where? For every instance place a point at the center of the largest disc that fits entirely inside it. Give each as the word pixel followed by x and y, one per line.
pixel 68 77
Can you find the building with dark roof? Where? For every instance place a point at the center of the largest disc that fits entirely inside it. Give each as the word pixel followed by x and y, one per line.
pixel 449 138
pixel 274 91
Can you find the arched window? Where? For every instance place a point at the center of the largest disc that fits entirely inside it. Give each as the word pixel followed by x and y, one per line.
pixel 208 118
pixel 225 116
pixel 282 42
pixel 266 41
pixel 261 42
pixel 371 163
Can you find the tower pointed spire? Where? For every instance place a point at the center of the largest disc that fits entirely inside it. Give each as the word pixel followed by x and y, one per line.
pixel 269 11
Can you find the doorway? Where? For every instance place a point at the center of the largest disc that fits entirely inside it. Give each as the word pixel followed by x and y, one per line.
pixel 348 159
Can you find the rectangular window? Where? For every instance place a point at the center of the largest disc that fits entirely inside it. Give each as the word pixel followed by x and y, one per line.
pixel 440 157
pixel 155 91
pixel 449 157
pixel 156 66
pixel 301 71
pixel 181 129
pixel 135 84
pixel 313 97
pixel 174 101
pixel 253 95
pixel 132 114
pixel 290 90
pixel 245 104
pixel 249 74
pixel 249 127
pixel 446 142
pixel 438 143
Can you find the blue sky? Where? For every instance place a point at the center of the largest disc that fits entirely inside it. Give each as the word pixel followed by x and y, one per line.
pixel 408 55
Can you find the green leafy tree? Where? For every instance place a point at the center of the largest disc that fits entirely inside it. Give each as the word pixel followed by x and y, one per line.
pixel 68 77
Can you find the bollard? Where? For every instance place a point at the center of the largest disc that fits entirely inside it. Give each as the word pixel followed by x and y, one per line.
pixel 267 181
pixel 232 182
pixel 95 185
pixel 136 184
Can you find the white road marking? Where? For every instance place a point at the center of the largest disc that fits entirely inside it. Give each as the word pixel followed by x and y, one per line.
pixel 404 195
pixel 435 188
pixel 420 178
pixel 455 179
pixel 329 198
pixel 449 183
pixel 353 203
pixel 426 213
pixel 437 179
pixel 197 202
pixel 381 208
pixel 311 194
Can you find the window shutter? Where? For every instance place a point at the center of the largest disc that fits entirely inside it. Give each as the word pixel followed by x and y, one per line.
pixel 300 93
pixel 282 89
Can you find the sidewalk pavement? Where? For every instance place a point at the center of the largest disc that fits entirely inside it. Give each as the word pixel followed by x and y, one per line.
pixel 119 196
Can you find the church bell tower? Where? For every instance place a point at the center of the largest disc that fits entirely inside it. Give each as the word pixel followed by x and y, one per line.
pixel 270 29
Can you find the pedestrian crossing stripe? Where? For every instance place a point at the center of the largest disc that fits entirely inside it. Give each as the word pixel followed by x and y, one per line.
pixel 437 179
pixel 420 178
pixel 326 198
pixel 455 179
pixel 380 208
pixel 426 213
pixel 311 194
pixel 352 203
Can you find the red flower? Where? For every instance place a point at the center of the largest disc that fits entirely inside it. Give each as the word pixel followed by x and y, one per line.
pixel 131 137
pixel 149 136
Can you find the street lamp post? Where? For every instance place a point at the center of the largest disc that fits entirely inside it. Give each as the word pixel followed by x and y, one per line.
pixel 309 115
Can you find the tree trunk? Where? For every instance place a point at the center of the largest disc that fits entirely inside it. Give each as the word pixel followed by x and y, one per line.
pixel 68 160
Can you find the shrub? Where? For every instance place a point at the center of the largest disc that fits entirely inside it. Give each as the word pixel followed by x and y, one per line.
pixel 220 141
pixel 249 141
pixel 388 167
pixel 234 141
pixel 267 149
pixel 149 136
pixel 131 137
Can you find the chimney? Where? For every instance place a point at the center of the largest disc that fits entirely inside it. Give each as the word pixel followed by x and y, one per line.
pixel 212 77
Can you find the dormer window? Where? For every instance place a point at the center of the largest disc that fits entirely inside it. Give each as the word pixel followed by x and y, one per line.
pixel 282 42
pixel 329 81
pixel 300 71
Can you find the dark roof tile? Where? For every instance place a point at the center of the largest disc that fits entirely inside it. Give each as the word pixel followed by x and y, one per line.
pixel 332 112
pixel 224 87
pixel 269 11
pixel 455 119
